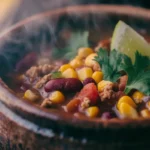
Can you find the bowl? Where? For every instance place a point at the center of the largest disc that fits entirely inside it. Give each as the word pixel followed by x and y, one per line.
pixel 27 127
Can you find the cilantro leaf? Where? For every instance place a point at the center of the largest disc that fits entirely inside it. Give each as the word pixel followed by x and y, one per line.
pixel 56 74
pixel 138 73
pixel 111 64
pixel 77 40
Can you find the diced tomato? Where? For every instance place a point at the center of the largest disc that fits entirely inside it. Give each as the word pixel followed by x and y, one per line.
pixel 90 91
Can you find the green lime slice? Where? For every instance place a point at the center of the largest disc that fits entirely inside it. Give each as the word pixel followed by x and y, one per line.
pixel 127 41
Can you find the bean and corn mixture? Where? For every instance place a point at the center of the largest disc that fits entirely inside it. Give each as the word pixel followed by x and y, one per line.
pixel 79 87
pixel 90 85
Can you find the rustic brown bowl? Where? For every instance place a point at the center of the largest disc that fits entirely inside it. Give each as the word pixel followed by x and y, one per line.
pixel 24 126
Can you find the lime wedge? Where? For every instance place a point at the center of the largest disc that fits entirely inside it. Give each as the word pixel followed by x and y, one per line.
pixel 127 41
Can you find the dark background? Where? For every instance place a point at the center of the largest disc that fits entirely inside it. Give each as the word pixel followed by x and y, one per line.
pixel 31 7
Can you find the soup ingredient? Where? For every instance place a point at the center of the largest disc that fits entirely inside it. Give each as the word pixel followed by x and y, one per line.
pixel 89 91
pixel 138 73
pixel 88 80
pixel 56 74
pixel 127 41
pixel 110 64
pixel 32 95
pixel 138 97
pixel 76 62
pixel 63 84
pixel 115 63
pixel 122 82
pixel 102 84
pixel 92 111
pixel 70 73
pixel 46 103
pixel 145 113
pixel 97 76
pixel 105 44
pixel 126 99
pixel 65 67
pixel 73 105
pixel 89 61
pixel 83 52
pixel 26 62
pixel 57 97
pixel 42 81
pixel 127 111
pixel 85 72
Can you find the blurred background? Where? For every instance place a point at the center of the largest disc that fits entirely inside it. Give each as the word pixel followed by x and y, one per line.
pixel 12 11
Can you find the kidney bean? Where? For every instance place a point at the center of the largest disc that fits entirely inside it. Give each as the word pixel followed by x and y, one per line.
pixel 88 80
pixel 64 84
pixel 26 62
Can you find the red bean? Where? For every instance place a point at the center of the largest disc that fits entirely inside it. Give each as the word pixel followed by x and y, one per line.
pixel 88 80
pixel 64 84
pixel 26 62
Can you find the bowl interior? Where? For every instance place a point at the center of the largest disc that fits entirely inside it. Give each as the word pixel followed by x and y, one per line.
pixel 42 32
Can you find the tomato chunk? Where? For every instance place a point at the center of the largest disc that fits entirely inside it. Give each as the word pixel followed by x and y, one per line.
pixel 90 91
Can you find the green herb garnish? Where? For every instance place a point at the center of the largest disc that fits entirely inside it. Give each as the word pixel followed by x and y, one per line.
pixel 77 40
pixel 110 64
pixel 56 74
pixel 114 62
pixel 138 73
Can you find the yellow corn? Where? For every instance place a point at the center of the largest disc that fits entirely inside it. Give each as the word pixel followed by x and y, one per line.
pixel 101 85
pixel 31 96
pixel 97 76
pixel 65 67
pixel 127 111
pixel 89 61
pixel 84 73
pixel 127 100
pixel 57 97
pixel 76 62
pixel 70 73
pixel 137 97
pixel 92 111
pixel 84 52
pixel 145 113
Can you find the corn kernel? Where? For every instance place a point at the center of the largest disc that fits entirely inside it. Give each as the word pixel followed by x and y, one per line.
pixel 101 85
pixel 65 67
pixel 76 62
pixel 97 76
pixel 84 73
pixel 92 111
pixel 127 100
pixel 137 97
pixel 127 111
pixel 70 73
pixel 31 96
pixel 89 61
pixel 57 97
pixel 145 113
pixel 84 52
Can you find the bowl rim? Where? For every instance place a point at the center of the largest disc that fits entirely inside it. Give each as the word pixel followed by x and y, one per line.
pixel 6 94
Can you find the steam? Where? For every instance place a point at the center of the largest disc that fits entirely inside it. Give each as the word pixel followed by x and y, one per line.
pixel 43 34
pixel 8 10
